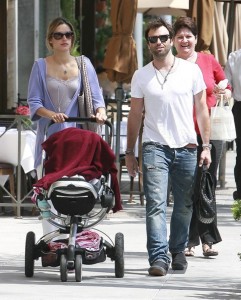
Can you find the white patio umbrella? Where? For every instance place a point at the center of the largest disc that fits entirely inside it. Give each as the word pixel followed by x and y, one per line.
pixel 163 7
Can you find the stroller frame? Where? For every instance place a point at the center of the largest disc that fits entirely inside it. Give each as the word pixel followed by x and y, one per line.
pixel 72 256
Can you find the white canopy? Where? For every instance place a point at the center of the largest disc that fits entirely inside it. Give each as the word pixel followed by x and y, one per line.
pixel 163 7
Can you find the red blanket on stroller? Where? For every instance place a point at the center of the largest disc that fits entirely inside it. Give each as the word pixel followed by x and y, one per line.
pixel 75 151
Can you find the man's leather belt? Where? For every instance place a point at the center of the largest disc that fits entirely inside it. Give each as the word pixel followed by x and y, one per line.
pixel 191 146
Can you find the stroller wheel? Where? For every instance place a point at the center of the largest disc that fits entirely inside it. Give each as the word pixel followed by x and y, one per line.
pixel 78 268
pixel 29 254
pixel 63 268
pixel 119 255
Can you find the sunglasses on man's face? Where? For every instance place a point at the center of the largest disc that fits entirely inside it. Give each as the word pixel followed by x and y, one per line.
pixel 163 38
pixel 60 35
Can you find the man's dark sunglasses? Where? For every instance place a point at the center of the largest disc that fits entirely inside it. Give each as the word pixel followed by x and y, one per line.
pixel 163 38
pixel 60 35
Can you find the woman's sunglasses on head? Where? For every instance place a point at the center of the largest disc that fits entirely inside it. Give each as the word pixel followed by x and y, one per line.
pixel 60 35
pixel 163 38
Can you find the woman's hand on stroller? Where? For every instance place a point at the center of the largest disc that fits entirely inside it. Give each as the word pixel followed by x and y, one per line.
pixel 100 116
pixel 59 117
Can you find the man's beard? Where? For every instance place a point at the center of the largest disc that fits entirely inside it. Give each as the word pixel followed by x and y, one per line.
pixel 160 54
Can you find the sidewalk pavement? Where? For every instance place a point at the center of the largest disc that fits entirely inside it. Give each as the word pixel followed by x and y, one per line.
pixel 205 278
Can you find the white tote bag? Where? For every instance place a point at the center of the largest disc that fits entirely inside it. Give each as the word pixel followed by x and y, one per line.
pixel 222 122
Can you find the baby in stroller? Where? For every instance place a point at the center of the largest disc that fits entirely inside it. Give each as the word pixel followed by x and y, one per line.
pixel 80 179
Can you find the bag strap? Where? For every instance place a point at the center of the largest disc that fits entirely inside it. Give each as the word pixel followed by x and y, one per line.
pixel 88 104
pixel 86 85
pixel 79 63
pixel 204 168
pixel 219 103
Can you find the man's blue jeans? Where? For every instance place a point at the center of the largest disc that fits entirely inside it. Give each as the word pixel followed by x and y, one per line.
pixel 159 163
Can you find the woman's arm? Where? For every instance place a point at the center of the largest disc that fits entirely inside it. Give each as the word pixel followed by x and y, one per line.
pixel 219 77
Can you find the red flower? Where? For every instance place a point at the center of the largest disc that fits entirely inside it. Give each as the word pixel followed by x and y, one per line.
pixel 22 110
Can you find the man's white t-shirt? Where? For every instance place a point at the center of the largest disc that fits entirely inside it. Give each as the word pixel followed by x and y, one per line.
pixel 169 111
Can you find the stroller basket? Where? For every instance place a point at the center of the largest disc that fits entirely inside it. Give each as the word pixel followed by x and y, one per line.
pixel 73 196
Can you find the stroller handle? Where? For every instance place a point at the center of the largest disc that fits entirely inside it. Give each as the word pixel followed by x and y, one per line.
pixel 86 120
pixel 83 121
pixel 80 120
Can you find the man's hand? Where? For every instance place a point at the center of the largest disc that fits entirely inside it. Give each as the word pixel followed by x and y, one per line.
pixel 132 165
pixel 205 158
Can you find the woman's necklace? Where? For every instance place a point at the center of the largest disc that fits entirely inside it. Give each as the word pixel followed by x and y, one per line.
pixel 63 67
pixel 59 100
pixel 164 77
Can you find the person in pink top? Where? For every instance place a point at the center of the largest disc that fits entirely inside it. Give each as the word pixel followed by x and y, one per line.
pixel 185 40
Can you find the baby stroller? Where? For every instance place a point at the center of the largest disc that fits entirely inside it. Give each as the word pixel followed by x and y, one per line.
pixel 82 195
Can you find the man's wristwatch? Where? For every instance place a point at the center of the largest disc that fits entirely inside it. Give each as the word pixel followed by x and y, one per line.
pixel 207 146
pixel 129 152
